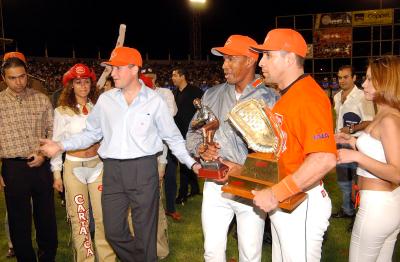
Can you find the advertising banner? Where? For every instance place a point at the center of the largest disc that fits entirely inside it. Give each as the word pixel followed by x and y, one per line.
pixel 328 20
pixel 373 17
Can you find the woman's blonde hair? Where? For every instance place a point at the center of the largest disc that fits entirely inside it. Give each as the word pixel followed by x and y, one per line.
pixel 385 76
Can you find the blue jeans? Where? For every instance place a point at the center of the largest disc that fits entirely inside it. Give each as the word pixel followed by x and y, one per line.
pixel 347 204
pixel 345 177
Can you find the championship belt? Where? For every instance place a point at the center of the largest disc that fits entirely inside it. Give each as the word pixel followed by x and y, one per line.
pixel 259 128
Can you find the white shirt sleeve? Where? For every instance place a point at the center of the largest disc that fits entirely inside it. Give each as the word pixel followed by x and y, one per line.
pixel 169 98
pixel 58 135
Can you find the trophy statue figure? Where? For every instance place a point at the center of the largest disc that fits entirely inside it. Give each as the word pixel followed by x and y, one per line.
pixel 208 123
pixel 263 134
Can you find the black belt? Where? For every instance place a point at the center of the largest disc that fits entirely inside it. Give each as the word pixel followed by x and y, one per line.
pixel 24 159
pixel 16 159
pixel 130 159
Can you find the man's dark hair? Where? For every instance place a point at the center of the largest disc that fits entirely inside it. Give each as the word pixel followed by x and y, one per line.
pixel 181 71
pixel 343 67
pixel 12 62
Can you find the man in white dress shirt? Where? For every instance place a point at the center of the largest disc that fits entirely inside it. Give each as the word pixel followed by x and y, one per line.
pixel 132 120
pixel 353 114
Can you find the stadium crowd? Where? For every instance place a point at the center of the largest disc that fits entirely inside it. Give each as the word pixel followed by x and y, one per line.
pixel 201 74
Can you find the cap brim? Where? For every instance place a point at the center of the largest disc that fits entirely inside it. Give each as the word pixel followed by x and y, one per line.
pixel 260 48
pixel 114 63
pixel 221 51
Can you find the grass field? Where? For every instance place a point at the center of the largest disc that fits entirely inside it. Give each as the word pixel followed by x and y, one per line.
pixel 186 239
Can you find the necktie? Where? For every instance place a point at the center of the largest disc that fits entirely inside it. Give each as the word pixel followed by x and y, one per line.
pixel 85 110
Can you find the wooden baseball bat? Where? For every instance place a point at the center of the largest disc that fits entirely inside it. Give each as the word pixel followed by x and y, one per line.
pixel 107 69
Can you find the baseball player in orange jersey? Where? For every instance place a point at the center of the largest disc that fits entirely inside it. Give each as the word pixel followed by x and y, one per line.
pixel 304 113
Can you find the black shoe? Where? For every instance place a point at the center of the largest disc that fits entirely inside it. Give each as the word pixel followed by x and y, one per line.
pixel 342 214
pixel 10 253
pixel 180 200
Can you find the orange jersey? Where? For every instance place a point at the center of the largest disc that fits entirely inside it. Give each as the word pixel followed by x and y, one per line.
pixel 304 113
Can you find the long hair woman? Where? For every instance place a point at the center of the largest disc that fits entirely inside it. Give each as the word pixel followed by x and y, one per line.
pixel 377 153
pixel 82 169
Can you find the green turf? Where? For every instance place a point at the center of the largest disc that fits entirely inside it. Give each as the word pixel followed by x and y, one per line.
pixel 186 239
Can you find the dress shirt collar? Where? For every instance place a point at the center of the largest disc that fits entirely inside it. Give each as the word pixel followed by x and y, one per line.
pixel 353 91
pixel 20 96
pixel 143 94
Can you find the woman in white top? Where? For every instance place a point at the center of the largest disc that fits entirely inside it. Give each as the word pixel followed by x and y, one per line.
pixel 378 218
pixel 83 169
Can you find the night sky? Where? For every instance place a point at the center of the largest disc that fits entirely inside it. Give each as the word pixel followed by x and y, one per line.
pixel 155 27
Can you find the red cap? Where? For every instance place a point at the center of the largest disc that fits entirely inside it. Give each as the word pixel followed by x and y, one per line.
pixel 78 71
pixel 236 45
pixel 284 39
pixel 122 56
pixel 18 55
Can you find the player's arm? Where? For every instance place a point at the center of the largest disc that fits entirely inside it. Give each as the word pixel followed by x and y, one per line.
pixel 314 168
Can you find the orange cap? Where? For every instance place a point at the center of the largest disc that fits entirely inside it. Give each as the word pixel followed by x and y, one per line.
pixel 122 56
pixel 236 45
pixel 18 55
pixel 283 39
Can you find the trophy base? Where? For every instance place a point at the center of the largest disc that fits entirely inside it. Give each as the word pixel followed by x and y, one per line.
pixel 213 173
pixel 288 205
pixel 257 174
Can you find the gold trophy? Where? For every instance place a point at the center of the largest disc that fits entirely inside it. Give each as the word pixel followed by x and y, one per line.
pixel 259 127
pixel 208 123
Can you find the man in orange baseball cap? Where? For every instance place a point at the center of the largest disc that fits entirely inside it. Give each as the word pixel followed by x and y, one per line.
pixel 33 82
pixel 218 208
pixel 18 55
pixel 122 56
pixel 304 112
pixel 131 121
pixel 283 39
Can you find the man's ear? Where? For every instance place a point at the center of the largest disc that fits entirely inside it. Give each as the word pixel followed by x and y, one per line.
pixel 251 61
pixel 290 58
pixel 135 70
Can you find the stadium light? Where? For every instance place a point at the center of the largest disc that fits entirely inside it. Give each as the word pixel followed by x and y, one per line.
pixel 197 6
